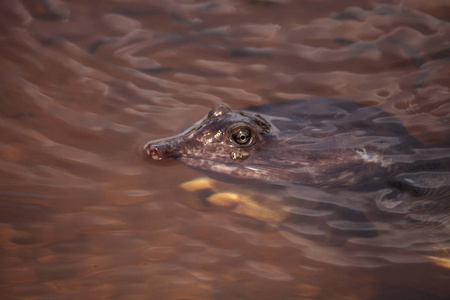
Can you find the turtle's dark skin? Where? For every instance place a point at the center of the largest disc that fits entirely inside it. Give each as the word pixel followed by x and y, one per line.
pixel 323 142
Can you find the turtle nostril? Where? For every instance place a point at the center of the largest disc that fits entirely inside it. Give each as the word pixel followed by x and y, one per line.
pixel 153 152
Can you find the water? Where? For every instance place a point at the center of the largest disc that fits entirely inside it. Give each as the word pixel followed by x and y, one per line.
pixel 83 215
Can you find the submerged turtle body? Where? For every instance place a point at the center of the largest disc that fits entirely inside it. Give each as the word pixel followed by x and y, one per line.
pixel 318 141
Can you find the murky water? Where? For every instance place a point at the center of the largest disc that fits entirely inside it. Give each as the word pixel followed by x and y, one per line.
pixel 83 215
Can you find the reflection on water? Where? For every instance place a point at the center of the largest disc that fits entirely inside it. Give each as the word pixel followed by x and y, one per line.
pixel 84 215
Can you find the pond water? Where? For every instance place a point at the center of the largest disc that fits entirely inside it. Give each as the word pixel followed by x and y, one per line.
pixel 84 215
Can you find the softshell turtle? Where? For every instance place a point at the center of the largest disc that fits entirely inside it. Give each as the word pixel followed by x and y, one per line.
pixel 321 142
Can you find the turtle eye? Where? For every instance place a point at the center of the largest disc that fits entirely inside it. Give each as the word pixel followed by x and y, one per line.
pixel 241 136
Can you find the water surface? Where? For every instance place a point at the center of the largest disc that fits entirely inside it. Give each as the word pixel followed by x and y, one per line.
pixel 83 215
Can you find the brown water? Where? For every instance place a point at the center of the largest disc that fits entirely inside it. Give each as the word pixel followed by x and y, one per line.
pixel 83 215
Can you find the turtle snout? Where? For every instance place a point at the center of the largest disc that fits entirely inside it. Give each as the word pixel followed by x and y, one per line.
pixel 162 150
